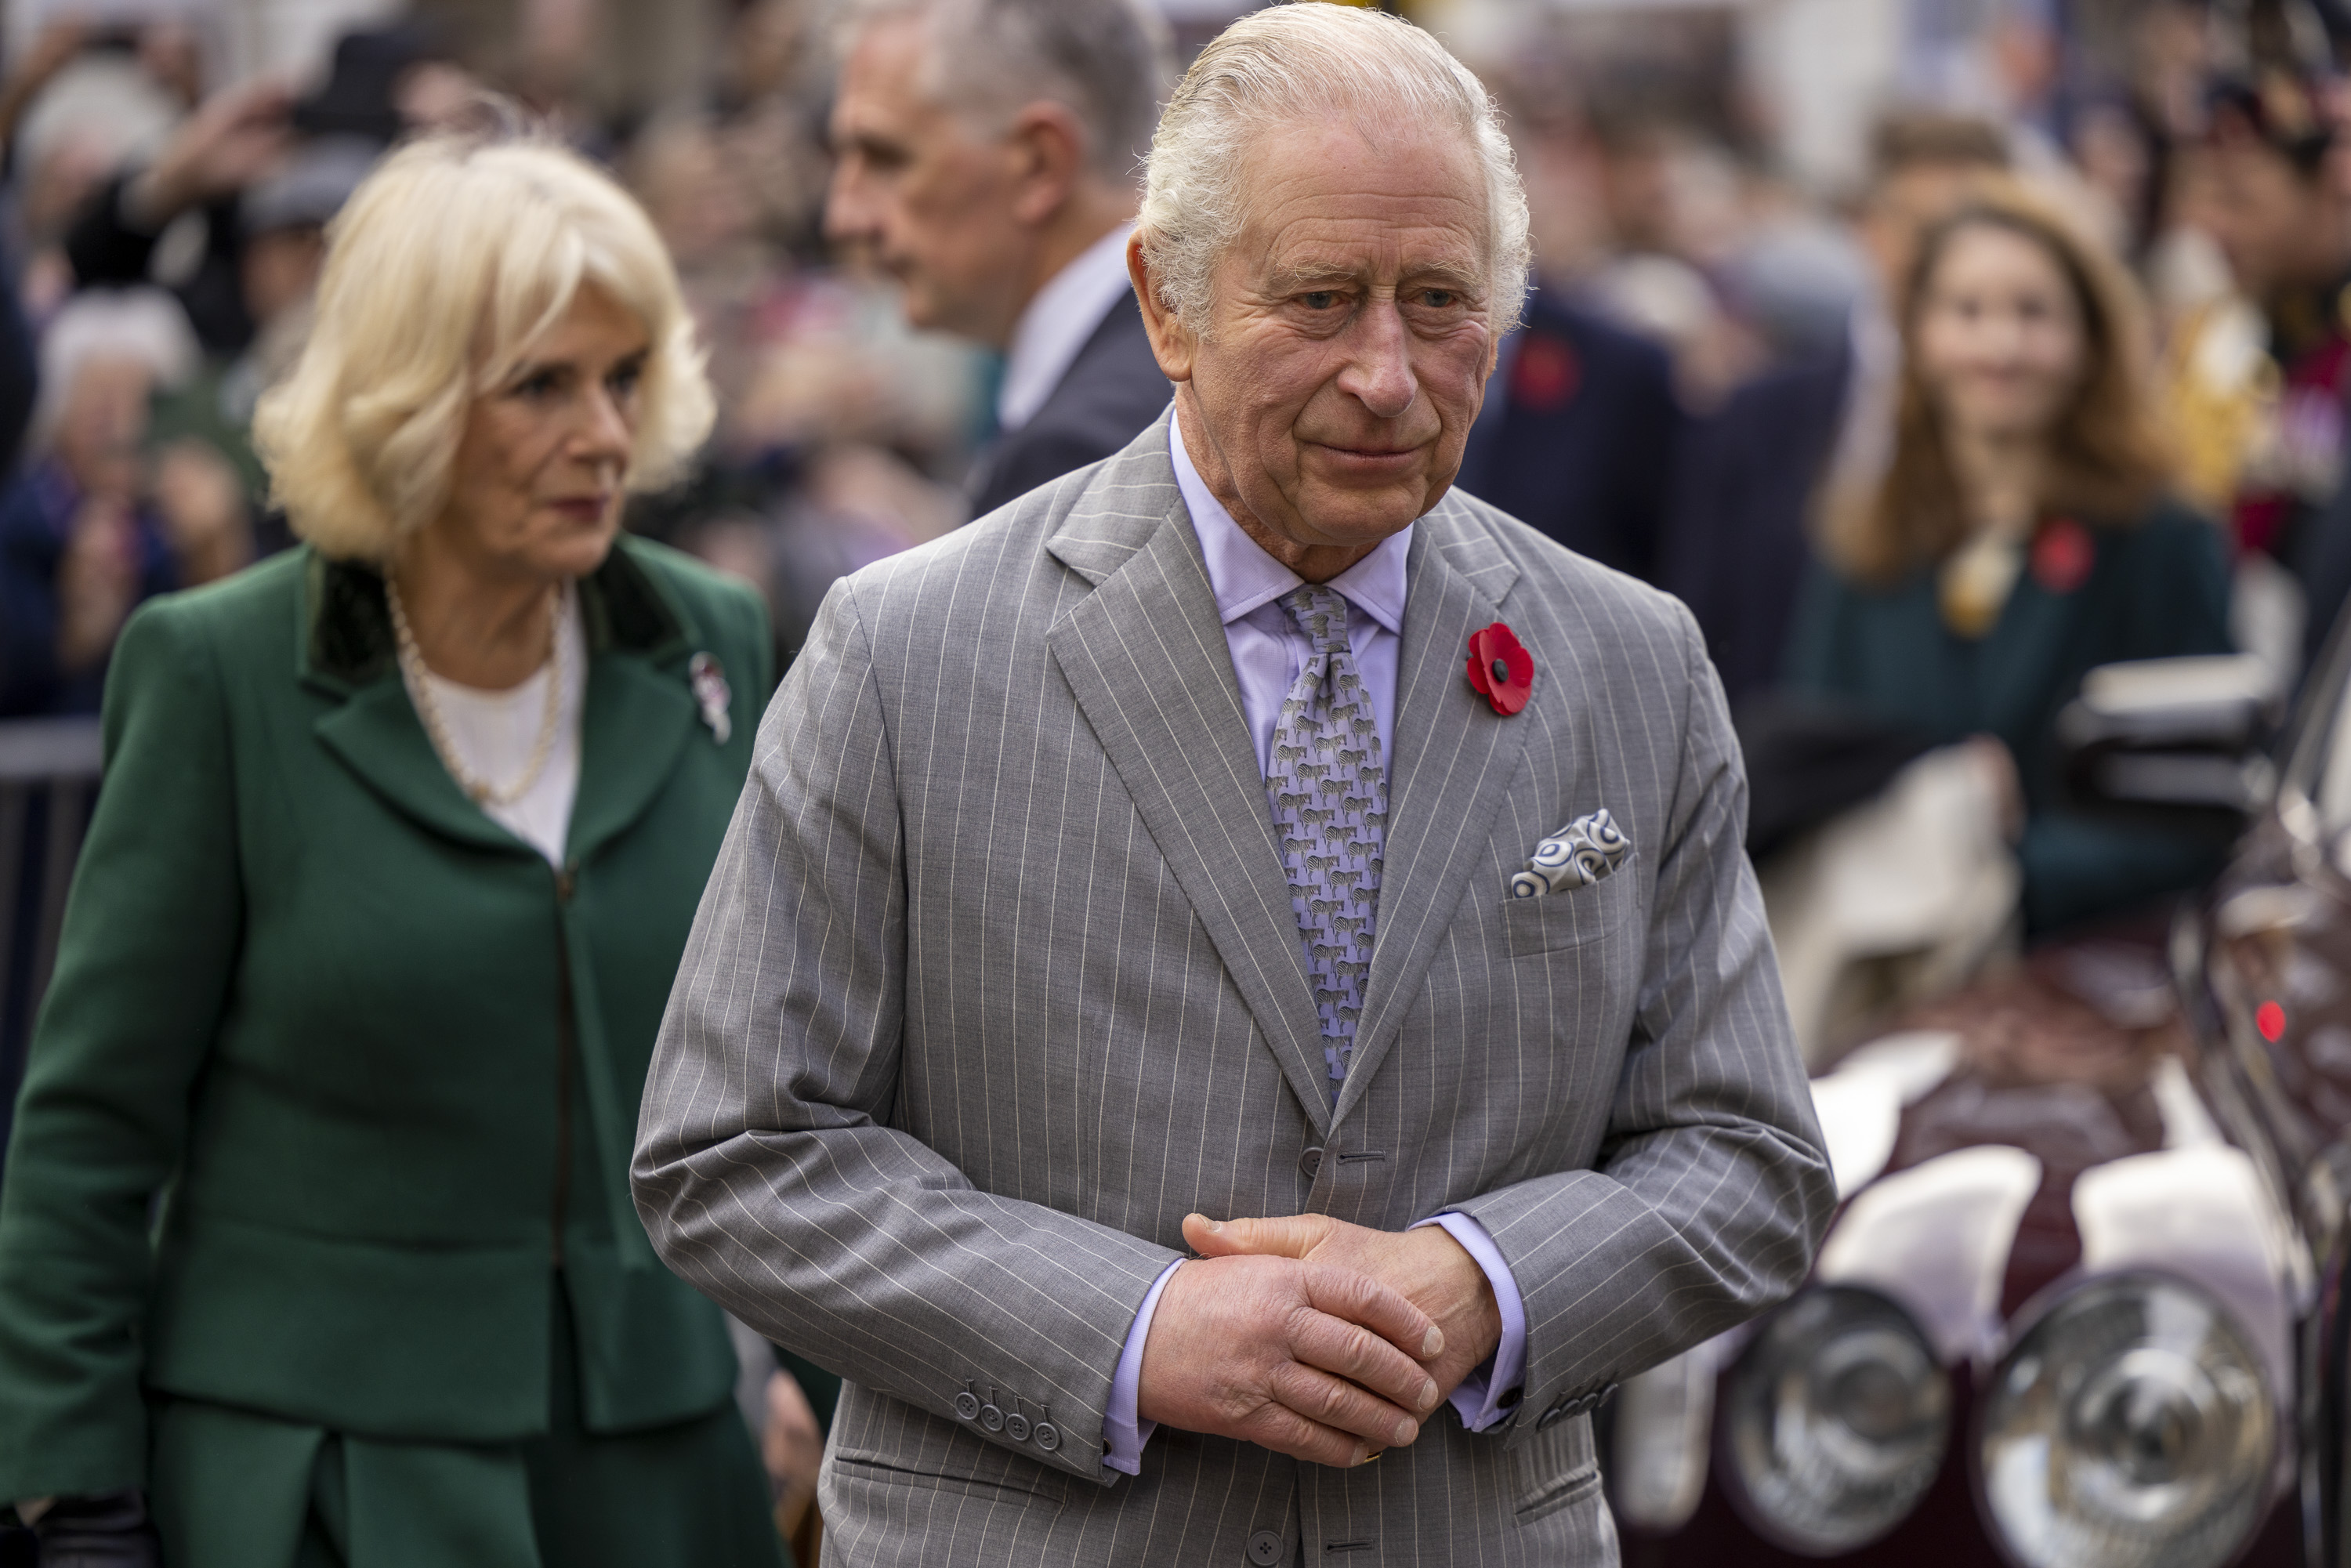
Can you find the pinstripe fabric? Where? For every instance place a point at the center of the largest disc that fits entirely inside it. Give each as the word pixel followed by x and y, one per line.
pixel 997 977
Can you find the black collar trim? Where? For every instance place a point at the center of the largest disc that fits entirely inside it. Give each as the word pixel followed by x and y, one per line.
pixel 351 638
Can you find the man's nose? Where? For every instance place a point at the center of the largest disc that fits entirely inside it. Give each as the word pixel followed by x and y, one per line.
pixel 848 205
pixel 1378 373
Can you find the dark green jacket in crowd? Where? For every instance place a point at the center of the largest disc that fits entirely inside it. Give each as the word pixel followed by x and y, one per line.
pixel 380 1059
pixel 2154 590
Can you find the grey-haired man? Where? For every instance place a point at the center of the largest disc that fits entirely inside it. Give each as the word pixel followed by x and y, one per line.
pixel 1246 827
pixel 988 156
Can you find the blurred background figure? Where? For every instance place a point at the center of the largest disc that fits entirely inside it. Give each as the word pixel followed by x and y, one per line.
pixel 2023 532
pixel 1748 488
pixel 2278 205
pixel 100 521
pixel 988 159
pixel 1580 428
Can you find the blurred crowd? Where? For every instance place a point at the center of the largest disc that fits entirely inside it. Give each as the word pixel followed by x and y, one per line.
pixel 1927 383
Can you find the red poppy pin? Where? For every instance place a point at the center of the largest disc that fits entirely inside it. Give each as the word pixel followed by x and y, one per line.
pixel 1503 671
pixel 2062 554
pixel 1545 375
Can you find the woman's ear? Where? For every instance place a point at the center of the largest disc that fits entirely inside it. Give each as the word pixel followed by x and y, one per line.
pixel 1172 342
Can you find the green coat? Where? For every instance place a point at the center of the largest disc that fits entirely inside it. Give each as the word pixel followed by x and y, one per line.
pixel 2155 590
pixel 379 1061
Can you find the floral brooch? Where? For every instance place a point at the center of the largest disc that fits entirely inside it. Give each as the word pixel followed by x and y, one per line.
pixel 1502 672
pixel 708 680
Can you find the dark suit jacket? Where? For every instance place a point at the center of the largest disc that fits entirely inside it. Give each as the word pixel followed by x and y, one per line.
pixel 1110 391
pixel 1577 436
pixel 1735 543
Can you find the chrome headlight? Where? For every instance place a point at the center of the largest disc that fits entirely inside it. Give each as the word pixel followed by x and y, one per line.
pixel 1840 1413
pixel 2132 1425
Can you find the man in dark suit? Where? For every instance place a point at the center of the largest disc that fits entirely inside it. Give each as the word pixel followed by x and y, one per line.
pixel 988 156
pixel 1578 435
pixel 1735 546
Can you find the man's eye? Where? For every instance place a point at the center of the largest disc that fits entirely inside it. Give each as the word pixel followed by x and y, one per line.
pixel 1438 298
pixel 1320 298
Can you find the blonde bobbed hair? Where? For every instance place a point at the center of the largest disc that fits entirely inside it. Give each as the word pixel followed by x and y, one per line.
pixel 443 271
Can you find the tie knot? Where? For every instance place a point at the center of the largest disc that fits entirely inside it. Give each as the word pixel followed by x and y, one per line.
pixel 1321 611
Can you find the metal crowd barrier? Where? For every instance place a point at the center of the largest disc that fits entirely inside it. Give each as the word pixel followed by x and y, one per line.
pixel 48 781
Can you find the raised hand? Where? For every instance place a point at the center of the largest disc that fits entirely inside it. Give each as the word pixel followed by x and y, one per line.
pixel 1426 1266
pixel 239 135
pixel 1309 1359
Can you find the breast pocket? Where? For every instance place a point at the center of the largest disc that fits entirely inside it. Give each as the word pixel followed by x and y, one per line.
pixel 1571 916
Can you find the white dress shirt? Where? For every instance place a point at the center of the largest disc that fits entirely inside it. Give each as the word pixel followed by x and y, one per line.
pixel 1268 650
pixel 1055 325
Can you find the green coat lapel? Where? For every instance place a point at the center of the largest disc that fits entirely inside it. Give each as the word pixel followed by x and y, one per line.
pixel 346 652
pixel 1454 758
pixel 638 722
pixel 639 711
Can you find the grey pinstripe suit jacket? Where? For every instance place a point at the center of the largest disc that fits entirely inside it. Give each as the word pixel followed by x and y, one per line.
pixel 996 978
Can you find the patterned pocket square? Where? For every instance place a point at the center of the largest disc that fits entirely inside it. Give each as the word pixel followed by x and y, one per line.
pixel 1578 855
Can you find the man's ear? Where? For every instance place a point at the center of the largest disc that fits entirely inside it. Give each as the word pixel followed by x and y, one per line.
pixel 1173 344
pixel 1048 152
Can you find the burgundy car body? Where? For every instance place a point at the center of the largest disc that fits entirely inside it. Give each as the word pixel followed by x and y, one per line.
pixel 2152 1105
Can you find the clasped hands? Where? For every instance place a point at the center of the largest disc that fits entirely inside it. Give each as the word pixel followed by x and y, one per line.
pixel 1318 1339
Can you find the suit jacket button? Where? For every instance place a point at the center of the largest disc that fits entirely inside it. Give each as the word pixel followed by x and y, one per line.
pixel 1310 1163
pixel 968 1406
pixel 1047 1435
pixel 1550 1417
pixel 991 1418
pixel 1265 1546
pixel 1016 1426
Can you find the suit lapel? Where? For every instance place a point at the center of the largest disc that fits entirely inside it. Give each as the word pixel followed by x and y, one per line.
pixel 1454 758
pixel 1145 656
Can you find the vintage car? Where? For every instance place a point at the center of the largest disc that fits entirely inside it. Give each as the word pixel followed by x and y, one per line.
pixel 2080 1305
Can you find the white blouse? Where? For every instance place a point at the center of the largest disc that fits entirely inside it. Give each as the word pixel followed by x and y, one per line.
pixel 494 732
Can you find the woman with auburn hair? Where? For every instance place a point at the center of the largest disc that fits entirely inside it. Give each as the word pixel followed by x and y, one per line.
pixel 2022 533
pixel 316 1243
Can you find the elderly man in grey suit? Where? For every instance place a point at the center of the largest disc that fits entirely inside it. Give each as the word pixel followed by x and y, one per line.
pixel 1245 826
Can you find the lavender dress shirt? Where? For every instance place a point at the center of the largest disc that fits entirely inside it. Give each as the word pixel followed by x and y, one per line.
pixel 1268 650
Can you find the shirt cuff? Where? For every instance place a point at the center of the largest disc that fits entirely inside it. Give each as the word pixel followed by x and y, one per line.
pixel 1479 1400
pixel 1124 1433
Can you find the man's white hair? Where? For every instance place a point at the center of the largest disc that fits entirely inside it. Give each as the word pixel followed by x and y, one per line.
pixel 1293 63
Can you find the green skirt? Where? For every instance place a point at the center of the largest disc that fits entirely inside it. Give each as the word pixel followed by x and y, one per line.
pixel 233 1488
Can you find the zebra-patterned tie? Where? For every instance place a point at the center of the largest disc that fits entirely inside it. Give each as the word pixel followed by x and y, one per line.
pixel 1330 800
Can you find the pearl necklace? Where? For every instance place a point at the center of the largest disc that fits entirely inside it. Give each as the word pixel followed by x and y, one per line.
pixel 412 671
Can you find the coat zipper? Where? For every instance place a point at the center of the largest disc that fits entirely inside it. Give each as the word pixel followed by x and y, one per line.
pixel 565 1047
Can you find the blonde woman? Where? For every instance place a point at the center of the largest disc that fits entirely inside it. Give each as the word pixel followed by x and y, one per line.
pixel 315 1241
